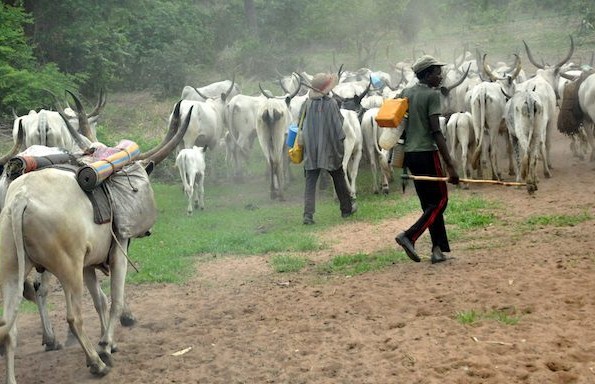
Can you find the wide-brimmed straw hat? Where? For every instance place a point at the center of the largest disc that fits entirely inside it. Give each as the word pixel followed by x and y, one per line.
pixel 425 62
pixel 322 84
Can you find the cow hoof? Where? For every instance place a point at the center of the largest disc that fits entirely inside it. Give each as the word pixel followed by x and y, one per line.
pixel 52 346
pixel 127 320
pixel 99 369
pixel 106 358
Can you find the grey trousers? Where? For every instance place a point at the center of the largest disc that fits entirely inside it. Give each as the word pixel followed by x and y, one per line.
pixel 341 189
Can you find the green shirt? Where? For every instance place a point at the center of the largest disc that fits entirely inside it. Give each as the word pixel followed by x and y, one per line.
pixel 423 103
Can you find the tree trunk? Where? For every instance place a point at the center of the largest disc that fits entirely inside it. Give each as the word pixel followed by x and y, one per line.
pixel 251 16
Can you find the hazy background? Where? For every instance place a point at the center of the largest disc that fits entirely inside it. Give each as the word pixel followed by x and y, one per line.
pixel 158 46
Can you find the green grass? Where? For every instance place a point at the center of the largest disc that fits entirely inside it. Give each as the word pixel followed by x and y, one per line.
pixel 241 220
pixel 286 263
pixel 556 220
pixel 473 316
pixel 356 264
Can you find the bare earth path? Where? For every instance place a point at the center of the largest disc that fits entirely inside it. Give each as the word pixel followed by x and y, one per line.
pixel 246 324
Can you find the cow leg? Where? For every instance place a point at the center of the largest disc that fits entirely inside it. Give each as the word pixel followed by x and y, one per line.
pixel 200 190
pixel 41 292
pixel 546 169
pixel 73 293
pixel 12 293
pixel 99 298
pixel 590 135
pixel 118 268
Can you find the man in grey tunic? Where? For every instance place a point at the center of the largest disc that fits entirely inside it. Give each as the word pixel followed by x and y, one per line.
pixel 322 138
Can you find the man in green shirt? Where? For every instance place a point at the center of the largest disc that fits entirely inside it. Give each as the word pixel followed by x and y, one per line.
pixel 424 144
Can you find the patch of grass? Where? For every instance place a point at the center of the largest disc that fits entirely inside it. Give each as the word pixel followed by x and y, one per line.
pixel 359 263
pixel 556 220
pixel 472 316
pixel 469 213
pixel 240 219
pixel 286 263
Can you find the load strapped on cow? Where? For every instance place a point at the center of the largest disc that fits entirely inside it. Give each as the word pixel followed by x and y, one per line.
pixel 117 186
pixel 571 115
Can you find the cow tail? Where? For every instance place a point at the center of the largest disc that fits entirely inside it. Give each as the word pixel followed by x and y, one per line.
pixel 480 124
pixel 230 129
pixel 17 210
pixel 375 134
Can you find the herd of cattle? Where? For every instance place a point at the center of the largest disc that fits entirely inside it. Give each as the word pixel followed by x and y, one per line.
pixel 47 221
pixel 488 114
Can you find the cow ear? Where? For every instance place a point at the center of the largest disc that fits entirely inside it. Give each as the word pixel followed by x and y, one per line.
pixel 149 167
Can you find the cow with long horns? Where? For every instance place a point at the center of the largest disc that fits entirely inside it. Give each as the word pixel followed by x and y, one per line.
pixel 47 223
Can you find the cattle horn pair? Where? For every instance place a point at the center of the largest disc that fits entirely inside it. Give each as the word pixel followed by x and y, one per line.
pixel 157 155
pixel 542 66
pixel 224 95
pixel 494 77
pixel 446 90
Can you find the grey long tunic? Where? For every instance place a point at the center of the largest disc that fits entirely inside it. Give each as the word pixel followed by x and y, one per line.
pixel 322 135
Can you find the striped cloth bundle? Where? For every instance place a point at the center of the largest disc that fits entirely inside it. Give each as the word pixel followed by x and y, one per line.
pixel 107 161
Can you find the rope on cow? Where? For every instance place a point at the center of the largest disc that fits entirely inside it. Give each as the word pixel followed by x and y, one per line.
pixel 120 245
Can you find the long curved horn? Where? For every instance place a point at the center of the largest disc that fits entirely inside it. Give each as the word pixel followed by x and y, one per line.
pixel 570 53
pixel 488 71
pixel 200 94
pixel 84 125
pixel 568 77
pixel 14 114
pixel 99 106
pixel 365 92
pixel 339 73
pixel 17 145
pixel 294 93
pixel 460 81
pixel 162 153
pixel 530 56
pixel 268 96
pixel 77 137
pixel 173 126
pixel 517 68
pixel 80 140
pixel 225 95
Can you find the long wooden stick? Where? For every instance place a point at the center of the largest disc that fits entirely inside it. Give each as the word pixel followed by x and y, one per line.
pixel 436 178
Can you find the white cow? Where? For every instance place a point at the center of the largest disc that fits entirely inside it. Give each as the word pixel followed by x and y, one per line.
pixel 487 109
pixel 526 125
pixel 379 158
pixel 460 137
pixel 272 119
pixel 47 223
pixel 191 164
pixel 48 128
pixel 586 97
pixel 240 120
pixel 353 144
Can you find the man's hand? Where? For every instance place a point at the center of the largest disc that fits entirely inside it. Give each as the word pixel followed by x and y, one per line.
pixel 453 176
